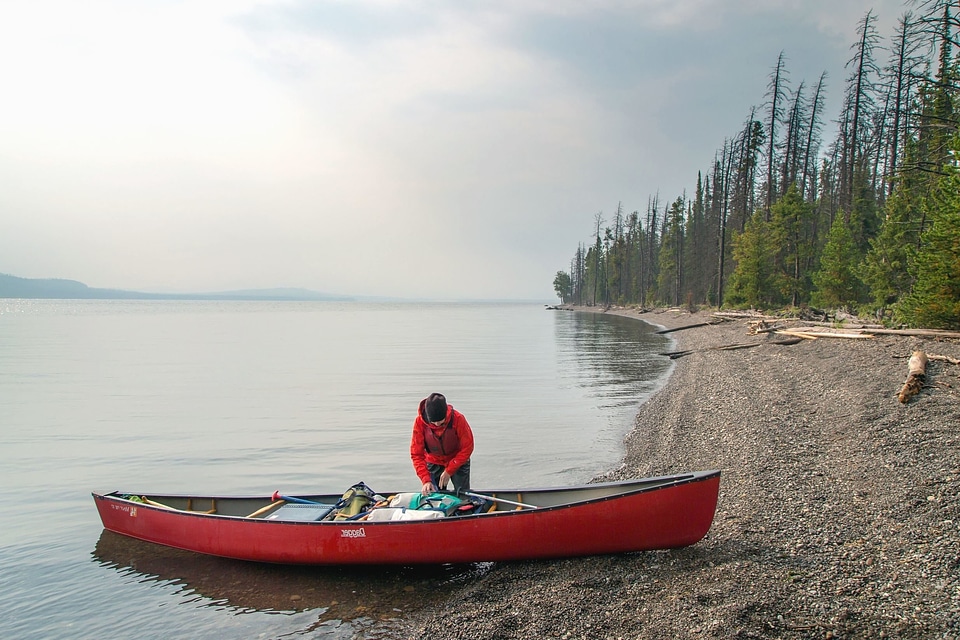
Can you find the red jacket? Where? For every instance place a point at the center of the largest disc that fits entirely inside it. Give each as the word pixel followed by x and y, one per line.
pixel 449 445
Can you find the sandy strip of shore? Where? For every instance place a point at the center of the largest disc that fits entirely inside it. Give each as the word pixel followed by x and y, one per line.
pixel 839 514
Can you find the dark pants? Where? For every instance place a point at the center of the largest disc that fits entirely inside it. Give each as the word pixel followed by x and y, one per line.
pixel 460 479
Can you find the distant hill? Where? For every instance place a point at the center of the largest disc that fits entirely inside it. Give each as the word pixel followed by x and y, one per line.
pixel 55 288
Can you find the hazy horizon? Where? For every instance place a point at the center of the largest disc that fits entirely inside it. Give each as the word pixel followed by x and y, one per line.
pixel 261 293
pixel 415 149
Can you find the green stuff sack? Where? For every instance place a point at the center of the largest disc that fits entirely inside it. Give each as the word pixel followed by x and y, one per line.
pixel 442 502
pixel 355 501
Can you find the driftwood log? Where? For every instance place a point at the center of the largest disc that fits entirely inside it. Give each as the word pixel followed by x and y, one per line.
pixel 813 334
pixel 690 326
pixel 673 355
pixel 916 375
pixel 925 333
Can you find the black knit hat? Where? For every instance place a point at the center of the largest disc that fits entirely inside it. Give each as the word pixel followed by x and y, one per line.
pixel 435 407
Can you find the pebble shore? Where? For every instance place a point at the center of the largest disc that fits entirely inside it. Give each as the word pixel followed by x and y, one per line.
pixel 839 510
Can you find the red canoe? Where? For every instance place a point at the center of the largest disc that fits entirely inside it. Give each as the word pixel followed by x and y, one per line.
pixel 636 515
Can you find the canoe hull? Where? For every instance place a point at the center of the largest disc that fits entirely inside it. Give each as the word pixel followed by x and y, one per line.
pixel 657 515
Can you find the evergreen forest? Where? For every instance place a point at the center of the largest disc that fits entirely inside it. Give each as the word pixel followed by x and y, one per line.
pixel 861 214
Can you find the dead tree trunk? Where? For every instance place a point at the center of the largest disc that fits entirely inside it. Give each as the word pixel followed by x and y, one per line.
pixel 916 375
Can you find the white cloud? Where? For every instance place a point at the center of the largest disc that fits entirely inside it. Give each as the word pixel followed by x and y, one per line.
pixel 425 148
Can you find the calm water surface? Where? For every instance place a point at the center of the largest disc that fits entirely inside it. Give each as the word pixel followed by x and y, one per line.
pixel 252 397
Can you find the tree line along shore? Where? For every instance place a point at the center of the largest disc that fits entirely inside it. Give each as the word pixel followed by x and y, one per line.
pixel 787 214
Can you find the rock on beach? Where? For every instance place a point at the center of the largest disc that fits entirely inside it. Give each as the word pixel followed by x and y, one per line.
pixel 839 510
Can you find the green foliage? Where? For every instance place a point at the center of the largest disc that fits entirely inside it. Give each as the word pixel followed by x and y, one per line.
pixel 669 280
pixel 792 235
pixel 836 281
pixel 935 298
pixel 563 285
pixel 864 219
pixel 593 271
pixel 754 250
pixel 884 269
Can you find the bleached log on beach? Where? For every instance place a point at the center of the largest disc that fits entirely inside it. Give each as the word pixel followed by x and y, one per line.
pixel 924 333
pixel 798 334
pixel 809 332
pixel 819 330
pixel 916 375
pixel 814 327
pixel 830 334
pixel 853 325
pixel 742 314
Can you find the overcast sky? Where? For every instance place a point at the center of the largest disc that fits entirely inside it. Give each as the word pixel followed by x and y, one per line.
pixel 456 149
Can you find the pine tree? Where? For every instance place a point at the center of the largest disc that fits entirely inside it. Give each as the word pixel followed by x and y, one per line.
pixel 885 269
pixel 698 256
pixel 836 282
pixel 597 256
pixel 791 231
pixel 754 252
pixel 563 285
pixel 670 277
pixel 935 299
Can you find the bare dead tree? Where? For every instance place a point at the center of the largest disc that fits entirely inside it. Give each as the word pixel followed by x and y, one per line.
pixel 901 71
pixel 775 93
pixel 722 177
pixel 598 219
pixel 860 90
pixel 813 132
pixel 795 123
pixel 941 18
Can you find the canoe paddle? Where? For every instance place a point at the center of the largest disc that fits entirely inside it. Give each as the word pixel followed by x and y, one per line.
pixel 503 500
pixel 276 496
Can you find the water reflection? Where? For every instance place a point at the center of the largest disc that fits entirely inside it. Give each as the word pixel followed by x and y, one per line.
pixel 618 357
pixel 358 595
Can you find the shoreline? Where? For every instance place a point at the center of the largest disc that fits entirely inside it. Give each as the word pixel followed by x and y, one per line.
pixel 839 510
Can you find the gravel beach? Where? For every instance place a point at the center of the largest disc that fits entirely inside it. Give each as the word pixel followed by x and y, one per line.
pixel 838 514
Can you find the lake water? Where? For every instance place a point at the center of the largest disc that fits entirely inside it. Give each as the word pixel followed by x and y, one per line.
pixel 253 397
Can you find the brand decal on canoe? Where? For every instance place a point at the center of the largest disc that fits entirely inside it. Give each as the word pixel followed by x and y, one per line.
pixel 122 507
pixel 353 533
